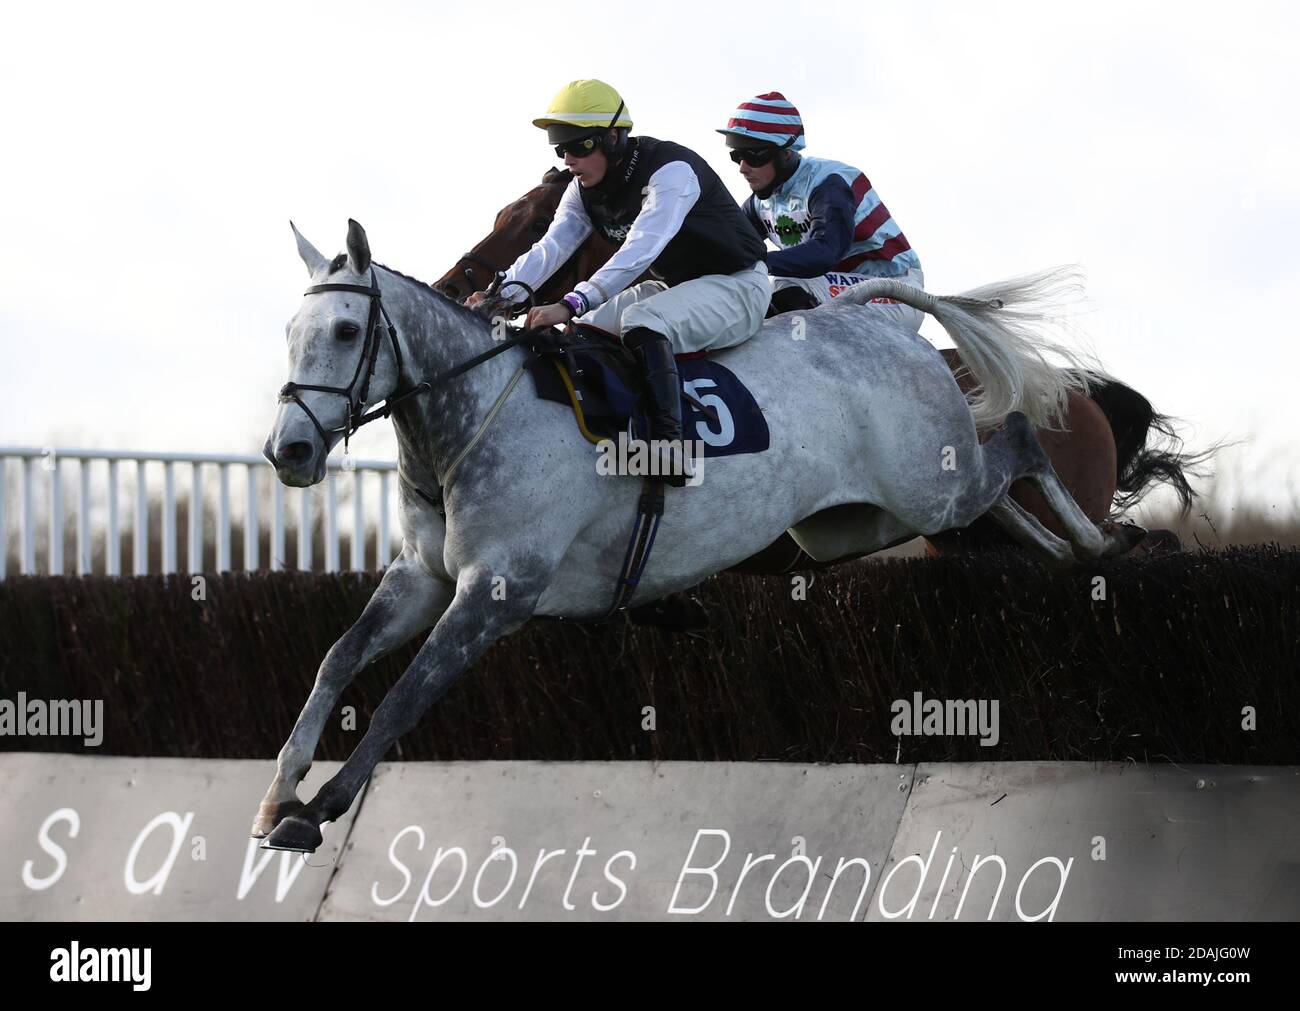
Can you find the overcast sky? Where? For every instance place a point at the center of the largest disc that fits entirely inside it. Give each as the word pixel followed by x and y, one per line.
pixel 154 154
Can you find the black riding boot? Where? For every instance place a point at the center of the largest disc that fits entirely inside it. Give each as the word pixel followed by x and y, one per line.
pixel 654 354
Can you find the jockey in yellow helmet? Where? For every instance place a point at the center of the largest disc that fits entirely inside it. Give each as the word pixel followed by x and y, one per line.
pixel 670 214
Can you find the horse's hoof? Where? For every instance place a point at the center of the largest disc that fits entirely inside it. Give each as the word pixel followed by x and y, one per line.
pixel 1160 542
pixel 270 815
pixel 295 834
pixel 1126 536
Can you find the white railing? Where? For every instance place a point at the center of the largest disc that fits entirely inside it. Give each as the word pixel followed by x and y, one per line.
pixel 45 467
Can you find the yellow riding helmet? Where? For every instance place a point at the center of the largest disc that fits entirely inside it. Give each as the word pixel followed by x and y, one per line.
pixel 581 107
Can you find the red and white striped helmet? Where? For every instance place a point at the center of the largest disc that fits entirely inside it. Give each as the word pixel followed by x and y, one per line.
pixel 766 119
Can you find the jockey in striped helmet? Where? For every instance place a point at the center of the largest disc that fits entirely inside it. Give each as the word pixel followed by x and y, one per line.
pixel 829 224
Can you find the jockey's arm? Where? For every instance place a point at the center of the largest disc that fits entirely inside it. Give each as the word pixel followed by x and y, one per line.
pixel 671 193
pixel 569 230
pixel 754 219
pixel 830 216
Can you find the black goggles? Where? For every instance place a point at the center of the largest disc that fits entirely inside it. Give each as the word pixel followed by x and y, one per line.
pixel 580 148
pixel 756 156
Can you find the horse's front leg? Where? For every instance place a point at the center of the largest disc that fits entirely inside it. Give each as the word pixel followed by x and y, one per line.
pixel 486 606
pixel 409 598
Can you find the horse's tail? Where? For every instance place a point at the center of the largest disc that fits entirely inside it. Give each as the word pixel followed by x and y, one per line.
pixel 994 328
pixel 1147 449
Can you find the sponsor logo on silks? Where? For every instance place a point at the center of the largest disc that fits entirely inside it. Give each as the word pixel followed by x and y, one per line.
pixel 788 231
pixel 840 283
pixel 616 234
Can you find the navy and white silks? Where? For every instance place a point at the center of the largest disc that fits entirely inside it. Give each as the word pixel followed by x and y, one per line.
pixel 833 231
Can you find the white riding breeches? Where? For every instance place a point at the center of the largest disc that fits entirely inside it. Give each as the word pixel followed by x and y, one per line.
pixel 710 312
pixel 825 287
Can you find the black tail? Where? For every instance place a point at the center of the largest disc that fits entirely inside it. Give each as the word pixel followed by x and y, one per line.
pixel 1139 464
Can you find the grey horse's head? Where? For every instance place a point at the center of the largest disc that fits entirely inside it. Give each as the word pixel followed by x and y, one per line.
pixel 328 342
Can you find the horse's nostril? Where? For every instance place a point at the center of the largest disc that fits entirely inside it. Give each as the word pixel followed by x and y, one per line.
pixel 451 291
pixel 295 453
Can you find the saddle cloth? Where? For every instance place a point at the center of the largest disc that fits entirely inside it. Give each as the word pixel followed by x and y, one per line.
pixel 606 395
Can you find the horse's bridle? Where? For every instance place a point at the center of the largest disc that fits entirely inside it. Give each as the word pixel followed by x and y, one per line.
pixel 370 356
pixel 498 275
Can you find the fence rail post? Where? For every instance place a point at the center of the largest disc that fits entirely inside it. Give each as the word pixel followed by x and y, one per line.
pixel 141 545
pixel 252 531
pixel 4 525
pixel 56 516
pixel 83 518
pixel 113 543
pixel 223 520
pixel 331 521
pixel 195 555
pixel 304 530
pixel 169 518
pixel 277 526
pixel 384 546
pixel 358 522
pixel 29 519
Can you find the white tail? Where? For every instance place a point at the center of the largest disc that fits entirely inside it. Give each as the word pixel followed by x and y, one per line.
pixel 995 328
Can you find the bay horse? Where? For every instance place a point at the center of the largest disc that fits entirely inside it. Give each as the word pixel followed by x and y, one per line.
pixel 1108 456
pixel 864 419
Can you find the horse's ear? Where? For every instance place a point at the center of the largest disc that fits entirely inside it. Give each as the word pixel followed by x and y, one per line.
pixel 556 176
pixel 551 174
pixel 358 248
pixel 310 255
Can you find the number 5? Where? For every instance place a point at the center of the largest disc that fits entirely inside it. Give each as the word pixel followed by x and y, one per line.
pixel 727 427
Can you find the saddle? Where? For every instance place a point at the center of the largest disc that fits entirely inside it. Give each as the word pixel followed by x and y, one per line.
pixel 588 370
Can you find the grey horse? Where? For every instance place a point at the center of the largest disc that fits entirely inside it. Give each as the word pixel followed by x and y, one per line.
pixel 872 443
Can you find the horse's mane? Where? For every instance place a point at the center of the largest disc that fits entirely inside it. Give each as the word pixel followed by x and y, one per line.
pixel 464 311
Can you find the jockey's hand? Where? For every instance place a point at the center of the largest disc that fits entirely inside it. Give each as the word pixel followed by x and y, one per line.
pixel 475 298
pixel 548 315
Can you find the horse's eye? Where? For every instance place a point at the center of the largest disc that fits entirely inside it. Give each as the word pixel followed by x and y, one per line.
pixel 347 331
pixel 541 225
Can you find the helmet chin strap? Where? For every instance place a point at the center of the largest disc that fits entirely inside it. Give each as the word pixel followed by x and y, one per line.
pixel 784 165
pixel 614 152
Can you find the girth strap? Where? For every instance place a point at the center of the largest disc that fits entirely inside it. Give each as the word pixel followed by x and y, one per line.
pixel 650 510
